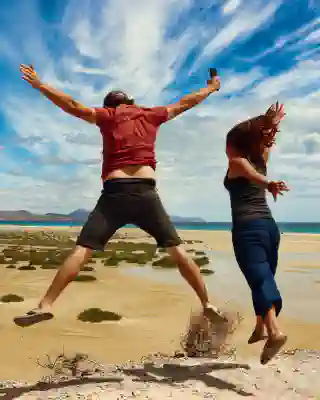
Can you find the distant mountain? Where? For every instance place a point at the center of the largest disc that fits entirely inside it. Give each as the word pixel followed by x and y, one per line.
pixel 19 214
pixel 22 215
pixel 79 215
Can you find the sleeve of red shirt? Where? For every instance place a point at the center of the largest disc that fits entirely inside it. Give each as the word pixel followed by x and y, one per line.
pixel 159 115
pixel 103 115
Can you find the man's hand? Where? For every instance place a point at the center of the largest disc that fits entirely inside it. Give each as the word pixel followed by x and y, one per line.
pixel 30 75
pixel 214 83
pixel 277 188
pixel 60 99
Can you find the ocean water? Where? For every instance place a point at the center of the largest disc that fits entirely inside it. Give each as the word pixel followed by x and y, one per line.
pixel 285 227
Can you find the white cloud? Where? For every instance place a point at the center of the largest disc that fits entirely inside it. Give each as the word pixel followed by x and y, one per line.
pixel 233 83
pixel 314 37
pixel 311 143
pixel 130 44
pixel 301 76
pixel 231 6
pixel 127 45
pixel 313 53
pixel 241 26
pixel 293 41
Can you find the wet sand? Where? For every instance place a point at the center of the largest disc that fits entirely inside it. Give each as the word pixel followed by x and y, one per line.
pixel 155 313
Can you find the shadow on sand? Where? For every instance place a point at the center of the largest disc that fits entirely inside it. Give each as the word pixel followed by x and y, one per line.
pixel 178 373
pixel 12 393
pixel 167 374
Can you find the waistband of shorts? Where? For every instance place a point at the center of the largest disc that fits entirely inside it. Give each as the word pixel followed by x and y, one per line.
pixel 128 184
pixel 255 223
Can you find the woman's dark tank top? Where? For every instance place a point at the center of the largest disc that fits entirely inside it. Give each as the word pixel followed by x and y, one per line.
pixel 248 200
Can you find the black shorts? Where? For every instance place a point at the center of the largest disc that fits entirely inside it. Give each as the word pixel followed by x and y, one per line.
pixel 128 201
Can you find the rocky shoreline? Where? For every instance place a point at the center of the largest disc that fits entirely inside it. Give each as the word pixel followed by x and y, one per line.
pixel 292 375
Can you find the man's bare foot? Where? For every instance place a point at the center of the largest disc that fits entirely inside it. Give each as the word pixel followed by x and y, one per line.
pixel 272 347
pixel 214 314
pixel 33 317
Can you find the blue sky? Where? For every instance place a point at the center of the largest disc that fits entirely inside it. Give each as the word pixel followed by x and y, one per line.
pixel 158 50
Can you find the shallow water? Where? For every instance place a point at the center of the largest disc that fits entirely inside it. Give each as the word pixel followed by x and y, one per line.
pixel 300 287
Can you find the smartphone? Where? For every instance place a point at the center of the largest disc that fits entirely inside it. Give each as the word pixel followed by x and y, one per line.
pixel 213 72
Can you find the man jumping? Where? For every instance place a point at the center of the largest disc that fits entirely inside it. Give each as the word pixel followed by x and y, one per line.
pixel 129 193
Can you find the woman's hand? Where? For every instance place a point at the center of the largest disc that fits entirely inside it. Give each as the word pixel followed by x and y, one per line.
pixel 274 115
pixel 277 188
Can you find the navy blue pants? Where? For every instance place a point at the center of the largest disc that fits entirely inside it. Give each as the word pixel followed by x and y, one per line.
pixel 256 245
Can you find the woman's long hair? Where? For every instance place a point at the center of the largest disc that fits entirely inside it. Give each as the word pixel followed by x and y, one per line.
pixel 248 138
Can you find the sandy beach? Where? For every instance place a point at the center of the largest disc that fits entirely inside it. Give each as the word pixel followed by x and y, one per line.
pixel 155 312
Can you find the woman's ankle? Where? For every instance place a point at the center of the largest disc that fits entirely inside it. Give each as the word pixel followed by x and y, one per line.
pixel 276 335
pixel 259 329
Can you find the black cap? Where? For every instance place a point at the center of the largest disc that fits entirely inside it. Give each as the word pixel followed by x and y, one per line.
pixel 117 97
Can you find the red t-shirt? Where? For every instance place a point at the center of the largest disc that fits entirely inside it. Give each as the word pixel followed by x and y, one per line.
pixel 129 135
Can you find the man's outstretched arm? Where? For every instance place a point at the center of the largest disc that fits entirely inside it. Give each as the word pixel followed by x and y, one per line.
pixel 193 99
pixel 60 99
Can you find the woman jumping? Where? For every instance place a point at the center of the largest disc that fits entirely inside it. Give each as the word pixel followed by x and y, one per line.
pixel 255 234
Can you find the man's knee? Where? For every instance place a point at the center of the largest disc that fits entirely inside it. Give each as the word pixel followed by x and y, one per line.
pixel 81 254
pixel 178 254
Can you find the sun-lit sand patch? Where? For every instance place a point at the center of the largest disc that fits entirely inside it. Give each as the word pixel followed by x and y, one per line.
pixel 305 265
pixel 298 271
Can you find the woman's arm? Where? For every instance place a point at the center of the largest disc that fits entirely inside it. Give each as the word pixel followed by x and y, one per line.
pixel 241 167
pixel 266 153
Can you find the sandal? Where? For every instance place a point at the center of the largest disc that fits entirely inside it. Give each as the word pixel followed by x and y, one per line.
pixel 256 337
pixel 32 317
